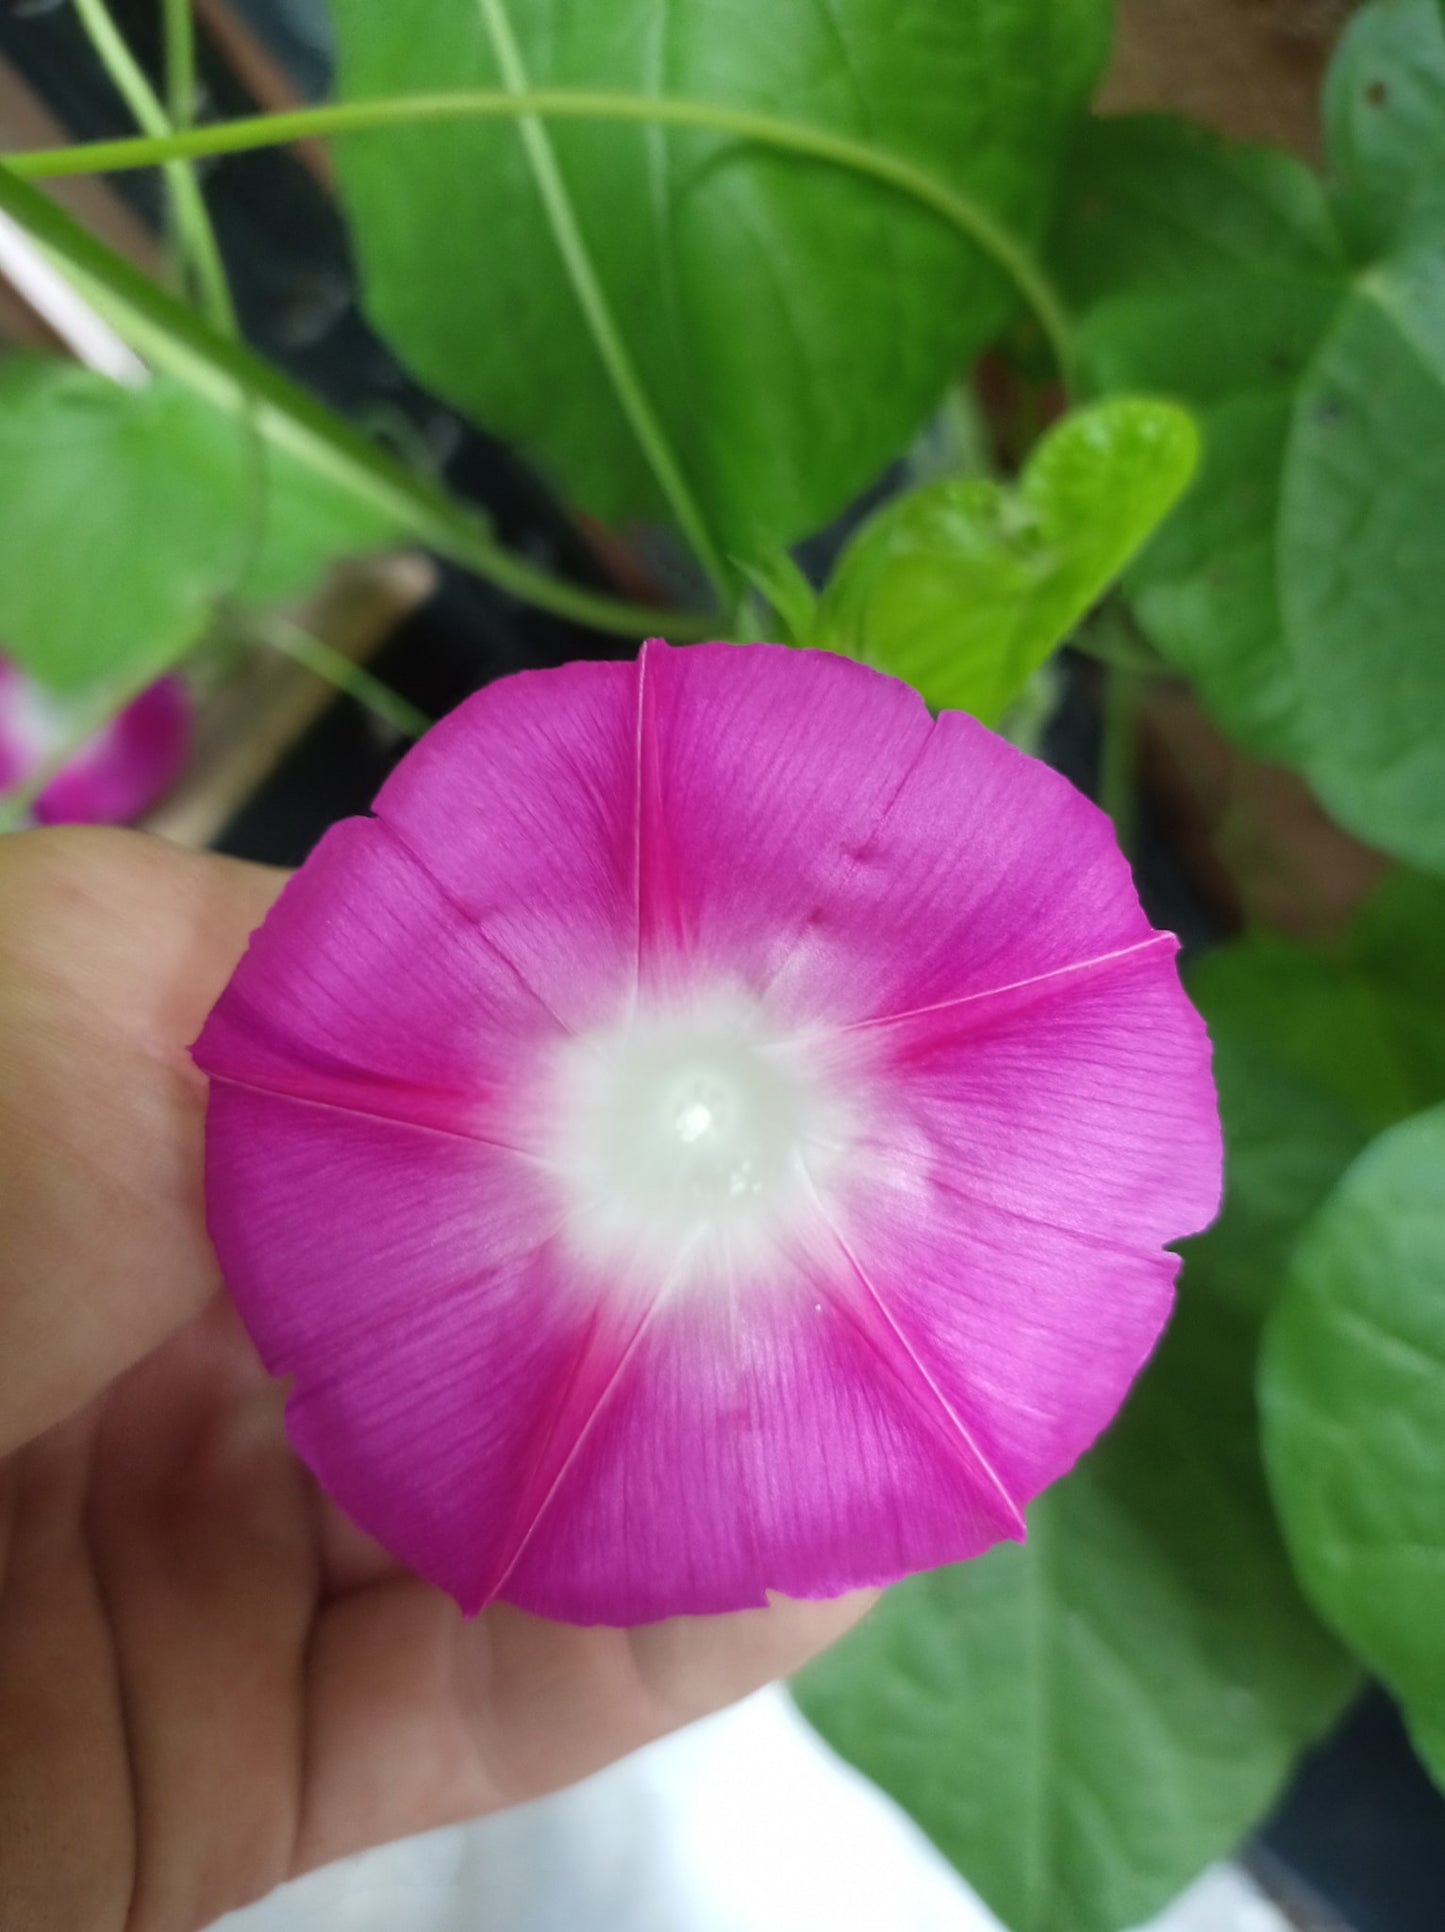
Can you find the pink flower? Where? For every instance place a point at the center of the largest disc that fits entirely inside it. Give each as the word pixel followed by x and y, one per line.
pixel 120 772
pixel 711 1132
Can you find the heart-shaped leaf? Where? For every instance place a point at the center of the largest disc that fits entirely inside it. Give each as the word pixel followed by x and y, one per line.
pixel 127 513
pixel 1301 581
pixel 1143 1659
pixel 118 523
pixel 964 587
pixel 778 325
pixel 1353 1393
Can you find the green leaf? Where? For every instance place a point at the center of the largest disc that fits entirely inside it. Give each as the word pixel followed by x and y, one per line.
pixel 298 522
pixel 1084 1722
pixel 1314 1053
pixel 1384 128
pixel 117 523
pixel 1299 583
pixel 790 324
pixel 1210 272
pixel 1353 1393
pixel 1361 560
pixel 964 587
pixel 127 513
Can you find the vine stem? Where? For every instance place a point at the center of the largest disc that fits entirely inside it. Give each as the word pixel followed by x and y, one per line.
pixel 1111 636
pixel 194 233
pixel 180 36
pixel 179 47
pixel 343 673
pixel 967 217
pixel 607 337
pixel 1118 753
pixel 173 337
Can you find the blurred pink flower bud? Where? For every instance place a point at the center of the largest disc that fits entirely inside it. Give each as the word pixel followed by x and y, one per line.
pixel 118 774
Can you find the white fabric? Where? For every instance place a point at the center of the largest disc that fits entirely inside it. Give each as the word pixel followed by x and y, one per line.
pixel 744 1823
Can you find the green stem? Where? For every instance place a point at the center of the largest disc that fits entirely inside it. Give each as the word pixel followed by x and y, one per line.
pixel 180 73
pixel 336 669
pixel 767 130
pixel 1111 636
pixel 180 29
pixel 1120 654
pixel 607 337
pixel 1118 750
pixel 194 232
pixel 173 337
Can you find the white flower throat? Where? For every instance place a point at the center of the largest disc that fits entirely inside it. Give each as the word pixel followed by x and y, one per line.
pixel 699 1124
pixel 692 1134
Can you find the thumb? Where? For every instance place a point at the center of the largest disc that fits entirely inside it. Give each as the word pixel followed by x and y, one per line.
pixel 113 947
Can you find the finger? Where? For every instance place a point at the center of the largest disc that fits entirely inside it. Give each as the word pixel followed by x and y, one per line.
pixel 418 1718
pixel 112 949
pixel 64 1756
pixel 201 1527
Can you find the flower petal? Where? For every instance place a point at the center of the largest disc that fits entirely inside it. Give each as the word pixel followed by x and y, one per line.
pixel 521 805
pixel 394 1272
pixel 765 1435
pixel 1032 1334
pixel 368 988
pixel 988 869
pixel 763 770
pixel 1082 1100
pixel 1027 1156
pixel 809 829
pixel 505 1427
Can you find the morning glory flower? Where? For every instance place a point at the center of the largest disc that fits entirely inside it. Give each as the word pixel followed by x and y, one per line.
pixel 119 773
pixel 713 1131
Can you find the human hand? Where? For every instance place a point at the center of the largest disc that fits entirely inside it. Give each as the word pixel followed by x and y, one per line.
pixel 209 1680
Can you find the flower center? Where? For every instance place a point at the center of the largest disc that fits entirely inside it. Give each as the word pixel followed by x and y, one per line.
pixel 701 1125
pixel 689 1138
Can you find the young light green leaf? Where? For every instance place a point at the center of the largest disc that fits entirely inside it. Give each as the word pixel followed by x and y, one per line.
pixel 127 513
pixel 1353 1393
pixel 790 324
pixel 1146 1659
pixel 964 587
